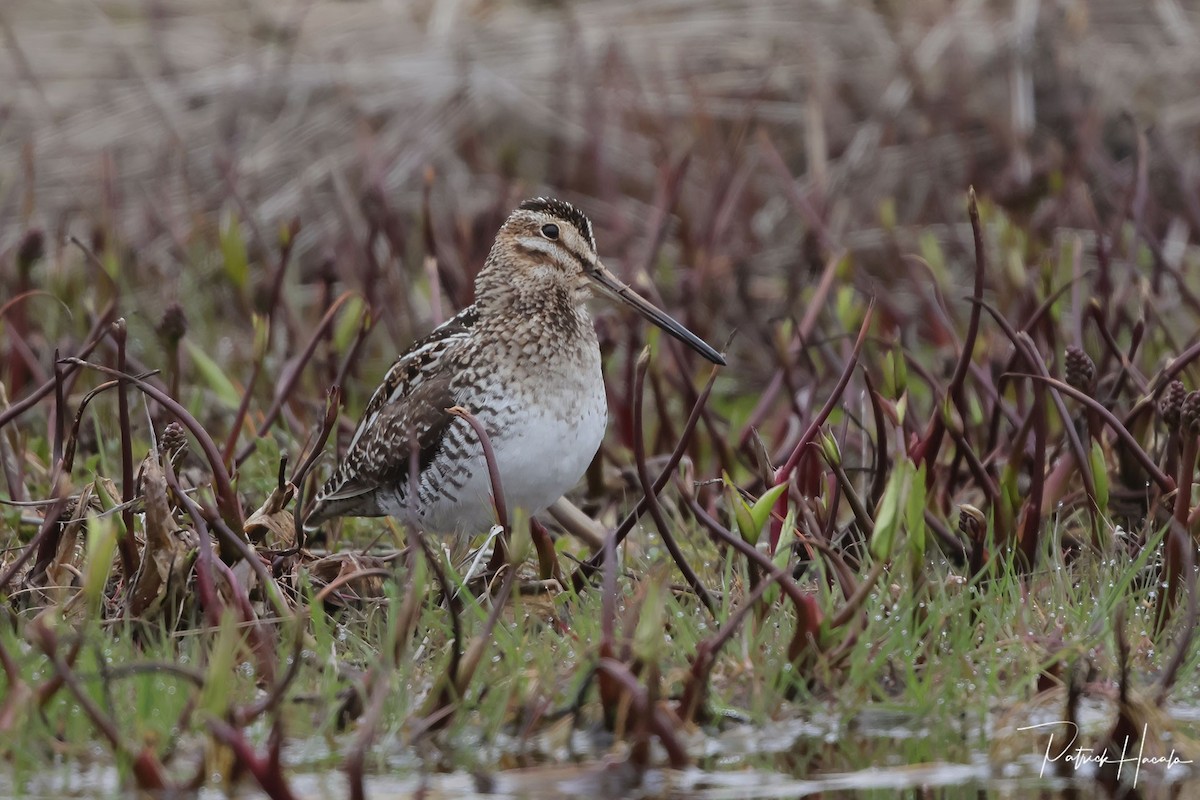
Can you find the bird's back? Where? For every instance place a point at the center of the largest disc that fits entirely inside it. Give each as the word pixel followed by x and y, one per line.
pixel 404 422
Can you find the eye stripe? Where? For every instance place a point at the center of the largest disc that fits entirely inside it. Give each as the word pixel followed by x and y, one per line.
pixel 531 244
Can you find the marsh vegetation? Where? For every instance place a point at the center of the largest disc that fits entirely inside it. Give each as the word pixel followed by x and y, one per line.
pixel 943 492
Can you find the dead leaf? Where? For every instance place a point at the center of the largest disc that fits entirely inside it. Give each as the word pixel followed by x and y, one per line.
pixel 340 567
pixel 273 525
pixel 169 549
pixel 61 573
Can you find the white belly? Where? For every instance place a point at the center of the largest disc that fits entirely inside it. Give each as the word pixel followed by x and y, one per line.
pixel 543 445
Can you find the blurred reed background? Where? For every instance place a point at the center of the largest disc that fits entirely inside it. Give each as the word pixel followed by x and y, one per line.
pixel 747 142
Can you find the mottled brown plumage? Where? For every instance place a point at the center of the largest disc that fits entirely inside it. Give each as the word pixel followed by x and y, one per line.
pixel 524 359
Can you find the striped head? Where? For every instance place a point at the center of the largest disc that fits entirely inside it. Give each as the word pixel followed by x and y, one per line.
pixel 545 257
pixel 544 249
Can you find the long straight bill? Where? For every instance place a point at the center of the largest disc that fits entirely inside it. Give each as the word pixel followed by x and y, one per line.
pixel 614 288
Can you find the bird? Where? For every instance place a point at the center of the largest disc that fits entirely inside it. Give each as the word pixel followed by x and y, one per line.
pixel 524 359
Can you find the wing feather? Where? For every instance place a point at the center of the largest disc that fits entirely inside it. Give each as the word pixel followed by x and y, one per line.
pixel 408 406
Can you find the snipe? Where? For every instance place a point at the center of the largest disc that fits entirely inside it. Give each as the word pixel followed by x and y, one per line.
pixel 523 359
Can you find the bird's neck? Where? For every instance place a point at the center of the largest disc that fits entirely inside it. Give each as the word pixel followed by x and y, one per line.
pixel 552 305
pixel 549 320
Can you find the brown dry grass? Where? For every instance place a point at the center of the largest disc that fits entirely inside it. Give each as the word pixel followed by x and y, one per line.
pixel 142 112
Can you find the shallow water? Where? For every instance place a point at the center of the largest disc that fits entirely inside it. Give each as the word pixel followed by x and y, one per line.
pixel 869 756
pixel 612 780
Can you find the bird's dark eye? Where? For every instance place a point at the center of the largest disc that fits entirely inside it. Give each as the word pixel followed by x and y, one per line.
pixel 550 231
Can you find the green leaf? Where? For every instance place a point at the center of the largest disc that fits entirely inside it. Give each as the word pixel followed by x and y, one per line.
pixel 216 696
pixel 101 544
pixel 111 264
pixel 752 519
pixel 262 335
pixel 895 373
pixel 648 637
pixel 1010 491
pixel 743 514
pixel 213 375
pixel 847 305
pixel 233 248
pixel 914 517
pixel 349 322
pixel 829 448
pixel 931 251
pixel 888 519
pixel 520 541
pixel 887 213
pixel 762 507
pixel 783 554
pixel 787 537
pixel 1099 476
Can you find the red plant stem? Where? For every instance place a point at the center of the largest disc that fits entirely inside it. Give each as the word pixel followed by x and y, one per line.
pixel 126 545
pixel 639 459
pixel 1179 548
pixel 1032 523
pixel 1024 343
pixel 146 769
pixel 227 499
pixel 784 473
pixel 68 454
pixel 23 296
pixel 265 771
pixel 49 527
pixel 543 545
pixel 998 408
pixel 1164 483
pixel 288 381
pixel 608 596
pixel 236 547
pixel 73 437
pixel 346 577
pixel 59 412
pixel 1168 374
pixel 95 336
pixel 1184 645
pixel 259 645
pixel 300 477
pixel 806 608
pixel 660 724
pixel 23 361
pixel 932 442
pixel 843 484
pixel 696 687
pixel 239 417
pixel 590 567
pixel 489 455
pixel 285 253
pixel 500 553
pixel 206 585
pixel 879 469
pixel 985 482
